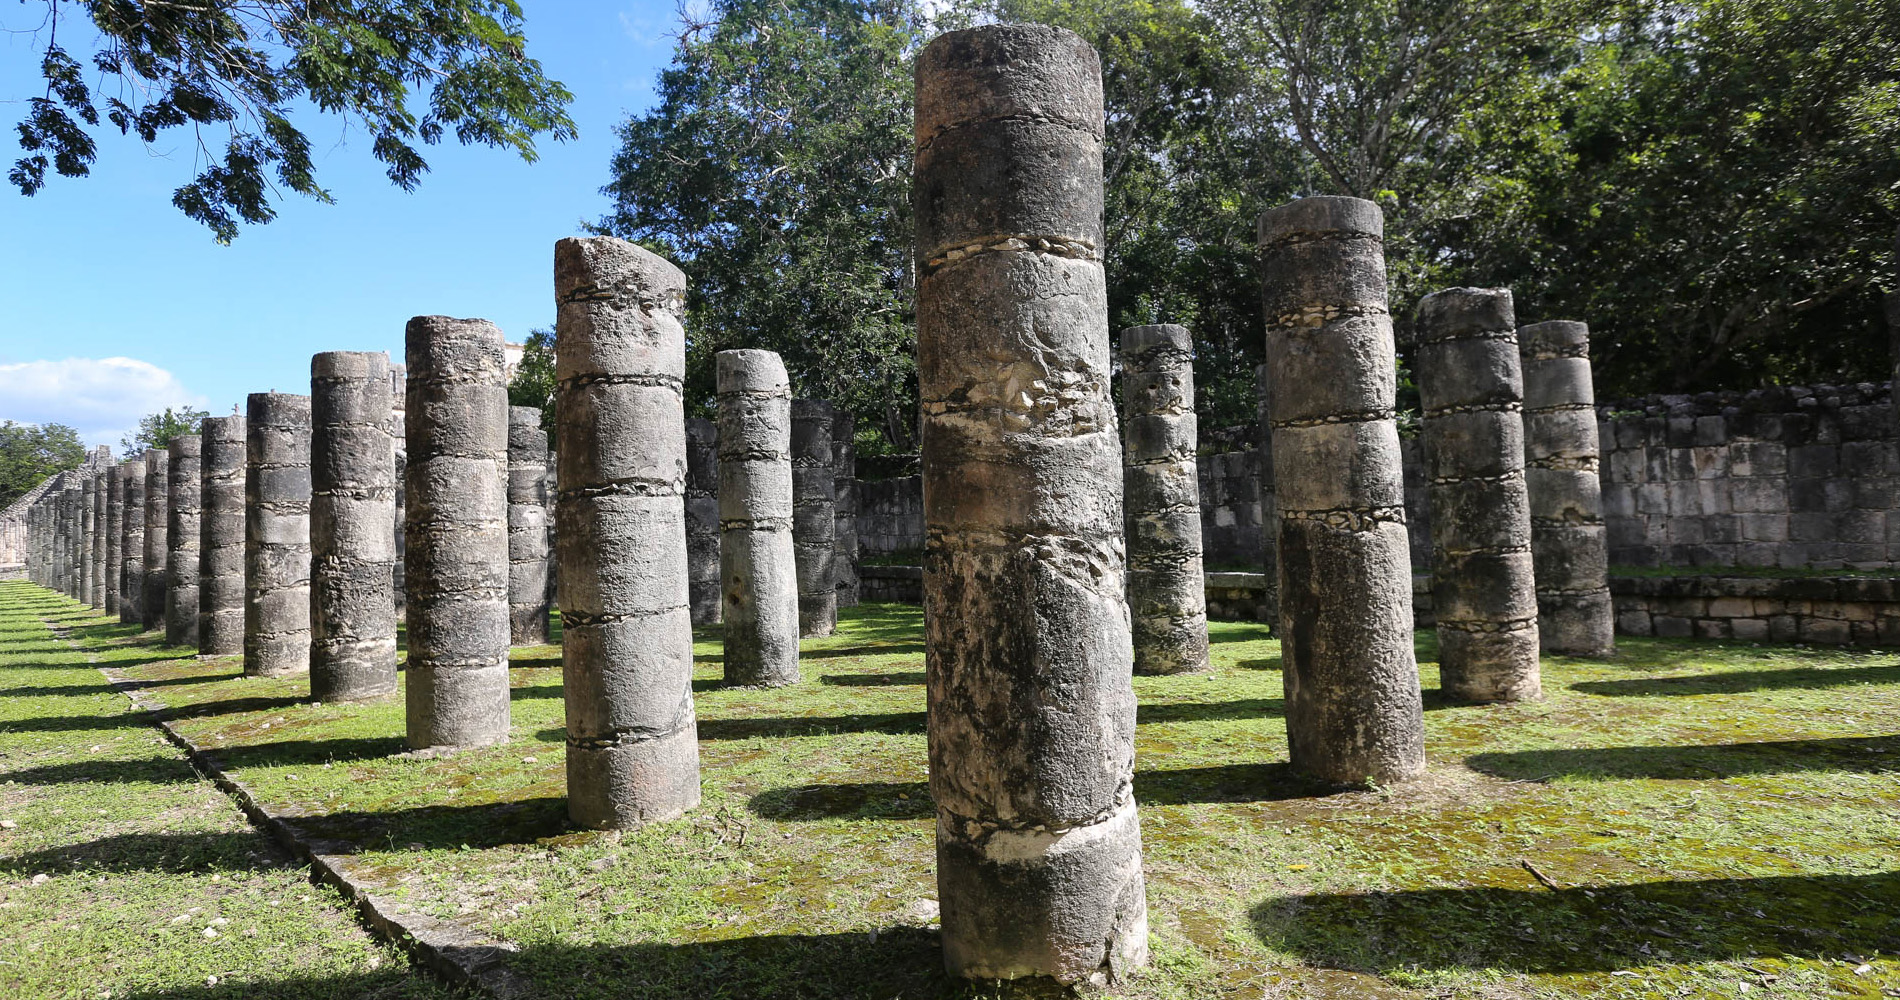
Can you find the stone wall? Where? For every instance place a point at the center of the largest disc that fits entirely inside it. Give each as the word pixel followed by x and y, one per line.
pixel 891 584
pixel 890 518
pixel 1861 611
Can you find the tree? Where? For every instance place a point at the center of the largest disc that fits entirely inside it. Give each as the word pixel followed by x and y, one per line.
pixel 776 171
pixel 533 384
pixel 240 68
pixel 156 430
pixel 31 452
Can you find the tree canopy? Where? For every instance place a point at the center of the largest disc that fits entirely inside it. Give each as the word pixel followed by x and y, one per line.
pixel 156 430
pixel 31 452
pixel 234 71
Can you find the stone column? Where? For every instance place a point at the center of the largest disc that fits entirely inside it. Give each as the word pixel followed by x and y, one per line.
pixel 814 517
pixel 627 638
pixel 183 501
pixel 757 569
pixel 1568 544
pixel 702 519
pixel 276 534
pixel 1167 589
pixel 352 533
pixel 221 536
pixel 69 572
pixel 115 534
pixel 844 542
pixel 132 544
pixel 84 537
pixel 527 527
pixel 157 540
pixel 457 533
pixel 96 540
pixel 1269 512
pixel 1471 392
pixel 1031 705
pixel 398 436
pixel 1353 707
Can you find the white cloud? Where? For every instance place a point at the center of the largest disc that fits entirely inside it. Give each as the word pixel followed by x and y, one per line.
pixel 102 398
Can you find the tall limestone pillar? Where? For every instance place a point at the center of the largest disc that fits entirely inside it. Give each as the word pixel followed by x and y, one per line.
pixel 182 505
pixel 157 536
pixel 352 532
pixel 527 527
pixel 114 534
pixel 758 573
pixel 1353 706
pixel 1031 701
pixel 1484 598
pixel 1167 588
pixel 627 628
pixel 88 524
pixel 276 534
pixel 1269 510
pixel 814 517
pixel 702 519
pixel 456 562
pixel 399 436
pixel 1568 544
pixel 221 536
pixel 844 544
pixel 96 539
pixel 132 544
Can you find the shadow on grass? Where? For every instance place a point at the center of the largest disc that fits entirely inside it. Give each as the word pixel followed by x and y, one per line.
pixel 142 770
pixel 700 686
pixel 231 706
pixel 1864 754
pixel 1264 663
pixel 303 752
pixel 151 852
pixel 877 649
pixel 132 719
pixel 817 725
pixel 490 824
pixel 885 800
pixel 873 680
pixel 1737 681
pixel 1194 711
pixel 1597 928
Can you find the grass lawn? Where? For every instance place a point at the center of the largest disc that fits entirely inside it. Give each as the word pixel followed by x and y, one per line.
pixel 1688 819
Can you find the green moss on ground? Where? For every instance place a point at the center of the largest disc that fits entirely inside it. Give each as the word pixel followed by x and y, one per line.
pixel 1685 819
pixel 123 873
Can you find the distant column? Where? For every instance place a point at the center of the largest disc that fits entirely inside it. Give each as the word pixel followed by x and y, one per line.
pixel 457 535
pixel 1568 546
pixel 184 454
pixel 221 536
pixel 115 534
pixel 69 523
pixel 814 517
pixel 702 519
pixel 1353 706
pixel 1167 588
pixel 844 543
pixel 1471 392
pixel 399 437
pixel 157 536
pixel 276 534
pixel 132 544
pixel 88 524
pixel 1269 511
pixel 627 638
pixel 758 574
pixel 352 536
pixel 1031 702
pixel 96 539
pixel 527 527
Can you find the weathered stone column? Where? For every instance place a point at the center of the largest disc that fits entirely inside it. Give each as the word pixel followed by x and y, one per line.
pixel 1353 706
pixel 1031 704
pixel 157 536
pixel 702 519
pixel 221 536
pixel 1568 544
pixel 114 534
pixel 1269 511
pixel 814 517
pixel 96 538
pixel 276 534
pixel 627 637
pixel 399 437
pixel 757 569
pixel 1167 589
pixel 457 535
pixel 1471 392
pixel 70 532
pixel 527 527
pixel 182 504
pixel 132 544
pixel 844 541
pixel 352 536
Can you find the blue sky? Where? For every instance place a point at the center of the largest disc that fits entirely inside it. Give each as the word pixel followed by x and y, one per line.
pixel 104 268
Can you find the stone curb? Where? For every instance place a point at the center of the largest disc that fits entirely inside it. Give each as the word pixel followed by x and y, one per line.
pixel 451 951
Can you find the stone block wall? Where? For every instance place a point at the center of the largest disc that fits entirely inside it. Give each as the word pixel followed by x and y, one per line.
pixel 1788 477
pixel 890 518
pixel 891 584
pixel 1232 530
pixel 1859 611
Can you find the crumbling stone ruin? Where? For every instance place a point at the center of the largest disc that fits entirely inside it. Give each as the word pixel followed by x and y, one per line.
pixel 1569 543
pixel 1167 595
